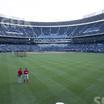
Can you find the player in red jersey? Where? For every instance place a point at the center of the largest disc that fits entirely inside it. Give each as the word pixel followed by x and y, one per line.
pixel 26 75
pixel 19 75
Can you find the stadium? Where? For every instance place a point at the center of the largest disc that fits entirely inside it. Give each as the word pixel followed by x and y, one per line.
pixel 65 61
pixel 84 35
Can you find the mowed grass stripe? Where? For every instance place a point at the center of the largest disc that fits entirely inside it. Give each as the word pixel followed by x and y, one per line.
pixel 18 93
pixel 60 91
pixel 4 81
pixel 89 80
pixel 76 77
pixel 35 66
pixel 94 90
pixel 39 89
pixel 45 73
pixel 24 93
pixel 42 92
pixel 83 75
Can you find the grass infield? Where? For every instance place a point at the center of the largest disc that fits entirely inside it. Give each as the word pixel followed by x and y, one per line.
pixel 71 78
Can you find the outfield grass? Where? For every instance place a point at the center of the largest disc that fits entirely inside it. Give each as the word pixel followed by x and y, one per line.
pixel 72 78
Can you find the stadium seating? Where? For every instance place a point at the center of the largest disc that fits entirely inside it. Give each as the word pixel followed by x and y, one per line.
pixel 89 31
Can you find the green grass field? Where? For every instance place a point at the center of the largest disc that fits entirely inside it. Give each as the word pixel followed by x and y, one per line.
pixel 72 78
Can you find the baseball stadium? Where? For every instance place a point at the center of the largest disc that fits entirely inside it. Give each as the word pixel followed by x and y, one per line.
pixel 65 61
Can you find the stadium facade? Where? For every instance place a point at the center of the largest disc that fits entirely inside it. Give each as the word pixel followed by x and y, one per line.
pixel 84 35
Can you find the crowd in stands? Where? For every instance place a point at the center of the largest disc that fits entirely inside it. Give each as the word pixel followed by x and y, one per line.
pixel 62 32
pixel 53 47
pixel 50 32
pixel 18 48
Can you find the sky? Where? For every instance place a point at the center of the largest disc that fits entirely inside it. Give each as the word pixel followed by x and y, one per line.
pixel 50 10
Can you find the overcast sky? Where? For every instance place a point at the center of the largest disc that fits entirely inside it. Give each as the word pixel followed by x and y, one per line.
pixel 50 10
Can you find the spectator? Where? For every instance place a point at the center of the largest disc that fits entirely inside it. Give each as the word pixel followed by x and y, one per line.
pixel 26 76
pixel 19 75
